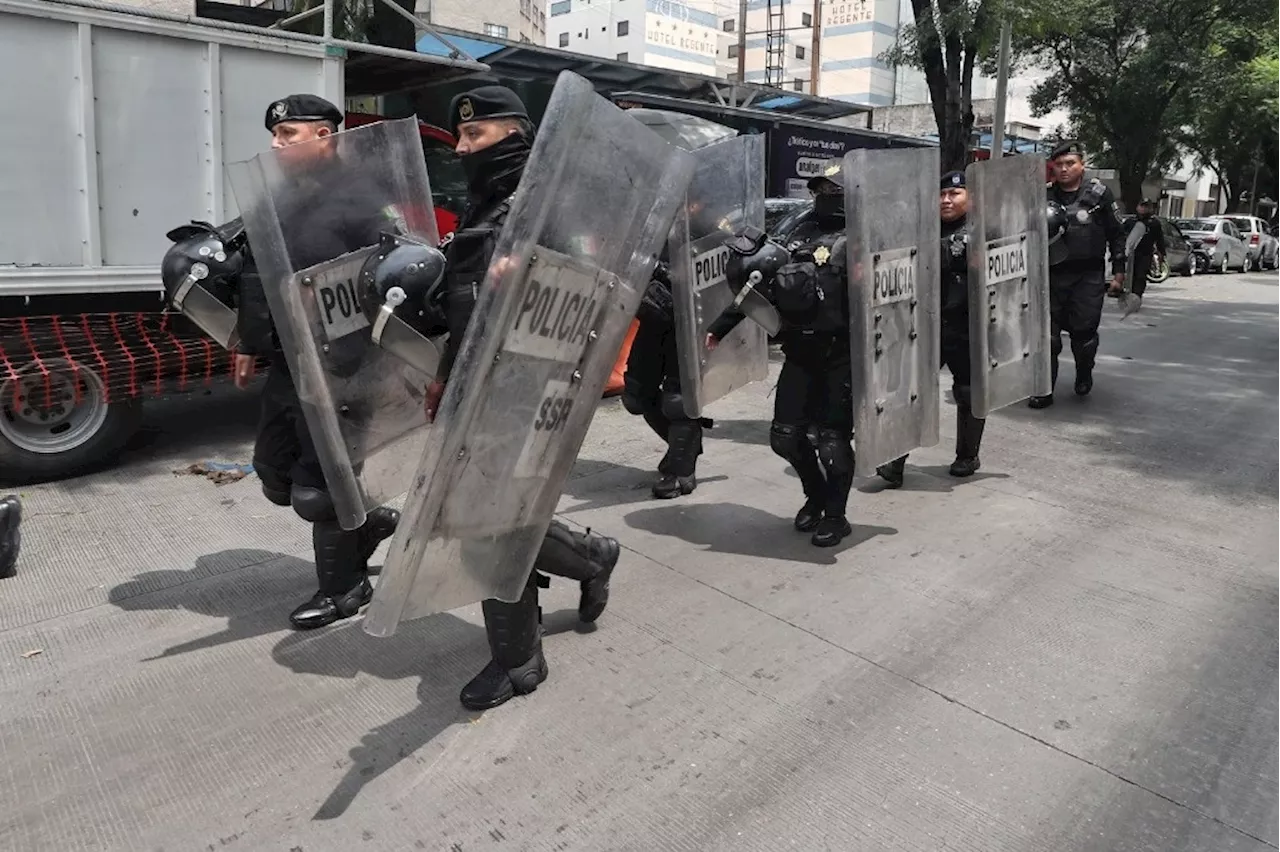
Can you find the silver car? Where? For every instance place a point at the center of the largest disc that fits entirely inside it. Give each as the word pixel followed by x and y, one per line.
pixel 1220 240
pixel 1258 240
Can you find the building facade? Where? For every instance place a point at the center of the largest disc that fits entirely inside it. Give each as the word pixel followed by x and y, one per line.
pixel 514 20
pixel 682 36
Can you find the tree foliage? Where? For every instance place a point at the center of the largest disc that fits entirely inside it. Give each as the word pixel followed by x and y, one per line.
pixel 946 42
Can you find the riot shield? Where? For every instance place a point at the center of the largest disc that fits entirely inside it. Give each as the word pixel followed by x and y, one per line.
pixel 314 213
pixel 727 193
pixel 891 205
pixel 1008 283
pixel 594 207
pixel 1130 301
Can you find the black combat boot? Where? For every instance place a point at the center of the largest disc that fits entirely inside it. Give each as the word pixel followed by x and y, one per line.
pixel 344 586
pixel 1085 355
pixel 586 557
pixel 379 526
pixel 792 443
pixel 10 535
pixel 678 466
pixel 968 441
pixel 835 449
pixel 894 472
pixel 515 642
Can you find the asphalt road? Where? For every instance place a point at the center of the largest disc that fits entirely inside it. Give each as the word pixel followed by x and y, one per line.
pixel 1073 650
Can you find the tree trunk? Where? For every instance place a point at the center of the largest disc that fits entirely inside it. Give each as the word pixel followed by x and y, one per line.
pixel 1131 180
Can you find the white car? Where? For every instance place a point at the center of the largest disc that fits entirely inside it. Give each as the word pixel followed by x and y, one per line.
pixel 1262 246
pixel 1219 239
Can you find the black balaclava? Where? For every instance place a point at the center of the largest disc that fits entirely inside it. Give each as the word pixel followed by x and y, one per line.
pixel 828 208
pixel 497 167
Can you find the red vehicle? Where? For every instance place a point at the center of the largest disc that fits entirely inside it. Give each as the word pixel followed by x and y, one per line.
pixel 448 183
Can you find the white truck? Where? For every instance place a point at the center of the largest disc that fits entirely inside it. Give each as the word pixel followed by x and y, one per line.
pixel 118 127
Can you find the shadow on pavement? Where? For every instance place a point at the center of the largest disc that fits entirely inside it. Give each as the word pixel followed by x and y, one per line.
pixel 935 479
pixel 609 484
pixel 250 609
pixel 744 530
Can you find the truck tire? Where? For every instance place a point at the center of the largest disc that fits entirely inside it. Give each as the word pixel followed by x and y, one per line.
pixel 49 431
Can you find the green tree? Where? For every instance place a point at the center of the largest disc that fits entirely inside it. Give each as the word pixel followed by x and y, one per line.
pixel 946 41
pixel 1231 127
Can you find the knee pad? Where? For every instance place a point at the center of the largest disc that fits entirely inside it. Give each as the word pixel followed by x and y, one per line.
pixel 835 449
pixel 1086 346
pixel 275 486
pixel 963 395
pixel 789 441
pixel 634 398
pixel 673 406
pixel 313 504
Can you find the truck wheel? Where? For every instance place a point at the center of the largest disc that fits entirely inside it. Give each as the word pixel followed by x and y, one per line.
pixel 48 431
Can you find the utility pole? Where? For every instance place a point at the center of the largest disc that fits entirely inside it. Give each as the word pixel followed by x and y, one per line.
pixel 1002 89
pixel 815 66
pixel 742 41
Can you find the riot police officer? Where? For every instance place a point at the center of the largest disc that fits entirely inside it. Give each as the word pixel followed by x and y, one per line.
pixel 495 138
pixel 651 389
pixel 1077 271
pixel 954 209
pixel 10 535
pixel 1149 248
pixel 813 408
pixel 332 215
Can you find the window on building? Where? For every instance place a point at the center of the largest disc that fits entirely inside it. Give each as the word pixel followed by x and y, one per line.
pixel 806 20
pixel 495 30
pixel 624 28
pixel 799 51
pixel 561 7
pixel 622 57
pixel 797 84
pixel 732 53
pixel 564 39
pixel 729 25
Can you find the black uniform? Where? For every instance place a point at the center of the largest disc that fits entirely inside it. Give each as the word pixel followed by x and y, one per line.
pixel 955 351
pixel 651 388
pixel 813 405
pixel 10 534
pixel 515 636
pixel 328 214
pixel 1151 244
pixel 1078 284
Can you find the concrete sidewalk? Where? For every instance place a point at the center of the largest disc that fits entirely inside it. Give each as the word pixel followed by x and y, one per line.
pixel 1073 650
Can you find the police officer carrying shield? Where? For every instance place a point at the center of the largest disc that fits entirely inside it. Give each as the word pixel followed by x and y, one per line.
pixel 807 284
pixel 333 214
pixel 1150 247
pixel 651 389
pixel 495 138
pixel 954 209
pixel 1077 264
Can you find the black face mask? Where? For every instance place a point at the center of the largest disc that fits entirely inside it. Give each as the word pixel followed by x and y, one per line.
pixel 828 206
pixel 498 166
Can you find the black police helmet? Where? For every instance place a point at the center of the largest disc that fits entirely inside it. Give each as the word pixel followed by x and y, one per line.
pixel 200 272
pixel 403 275
pixel 201 251
pixel 1056 218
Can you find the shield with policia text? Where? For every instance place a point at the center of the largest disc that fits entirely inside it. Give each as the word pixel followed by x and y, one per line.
pixel 314 212
pixel 891 206
pixel 726 195
pixel 593 209
pixel 1008 283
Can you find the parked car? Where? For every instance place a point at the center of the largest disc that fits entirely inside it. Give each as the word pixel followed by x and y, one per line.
pixel 1220 240
pixel 776 210
pixel 1180 254
pixel 1262 246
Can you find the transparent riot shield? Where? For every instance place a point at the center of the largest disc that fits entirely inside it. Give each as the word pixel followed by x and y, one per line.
pixel 727 194
pixel 891 205
pixel 314 213
pixel 594 207
pixel 1008 283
